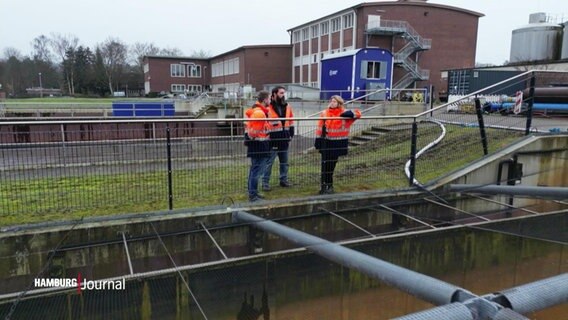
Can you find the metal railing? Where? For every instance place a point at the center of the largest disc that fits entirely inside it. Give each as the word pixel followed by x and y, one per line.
pixel 64 168
pixel 403 27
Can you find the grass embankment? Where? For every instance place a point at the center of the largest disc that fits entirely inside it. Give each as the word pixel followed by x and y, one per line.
pixel 378 164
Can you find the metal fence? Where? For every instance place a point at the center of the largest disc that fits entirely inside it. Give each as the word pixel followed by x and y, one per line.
pixel 74 168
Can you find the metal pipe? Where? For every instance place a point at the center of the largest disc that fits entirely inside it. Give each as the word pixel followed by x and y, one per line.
pixel 546 192
pixel 453 311
pixel 537 295
pixel 500 169
pixel 424 287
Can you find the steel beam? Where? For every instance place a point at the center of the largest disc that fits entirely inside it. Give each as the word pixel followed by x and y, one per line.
pixel 213 239
pixel 348 221
pixel 127 253
pixel 406 215
pixel 559 193
pixel 456 209
pixel 503 204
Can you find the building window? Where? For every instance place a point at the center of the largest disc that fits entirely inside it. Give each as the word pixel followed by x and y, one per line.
pixel 177 70
pixel 194 71
pixel 348 21
pixel 373 70
pixel 315 31
pixel 224 68
pixel 335 24
pixel 324 28
pixel 296 36
pixel 178 88
pixel 193 88
pixel 305 34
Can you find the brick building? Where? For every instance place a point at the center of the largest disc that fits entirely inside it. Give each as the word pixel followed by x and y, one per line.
pixel 175 74
pixel 252 66
pixel 247 66
pixel 425 38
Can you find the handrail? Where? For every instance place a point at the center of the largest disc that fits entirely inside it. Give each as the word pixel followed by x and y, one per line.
pixel 169 120
pixel 356 99
pixel 477 92
pixel 404 26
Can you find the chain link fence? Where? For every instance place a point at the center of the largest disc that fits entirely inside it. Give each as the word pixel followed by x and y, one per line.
pixel 53 170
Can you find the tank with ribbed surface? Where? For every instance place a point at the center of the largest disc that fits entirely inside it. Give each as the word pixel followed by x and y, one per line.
pixel 537 41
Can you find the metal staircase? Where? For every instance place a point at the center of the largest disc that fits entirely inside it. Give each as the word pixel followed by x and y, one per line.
pixel 415 43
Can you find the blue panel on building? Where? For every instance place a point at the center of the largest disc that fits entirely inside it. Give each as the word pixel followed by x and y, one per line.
pixel 355 73
pixel 143 109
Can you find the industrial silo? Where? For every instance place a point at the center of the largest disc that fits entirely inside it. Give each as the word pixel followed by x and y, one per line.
pixel 564 54
pixel 535 42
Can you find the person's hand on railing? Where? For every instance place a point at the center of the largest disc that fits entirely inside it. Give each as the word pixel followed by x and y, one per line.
pixel 347 114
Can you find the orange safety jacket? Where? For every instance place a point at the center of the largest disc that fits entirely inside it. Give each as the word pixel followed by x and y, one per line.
pixel 257 130
pixel 335 129
pixel 276 125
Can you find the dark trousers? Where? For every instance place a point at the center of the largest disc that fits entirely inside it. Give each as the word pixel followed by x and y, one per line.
pixel 328 163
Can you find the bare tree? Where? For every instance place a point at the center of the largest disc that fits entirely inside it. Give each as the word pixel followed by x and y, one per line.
pixel 114 54
pixel 139 50
pixel 10 52
pixel 171 52
pixel 61 44
pixel 41 50
pixel 202 54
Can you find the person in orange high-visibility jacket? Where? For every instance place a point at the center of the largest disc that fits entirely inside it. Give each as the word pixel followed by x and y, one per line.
pixel 281 133
pixel 256 140
pixel 332 139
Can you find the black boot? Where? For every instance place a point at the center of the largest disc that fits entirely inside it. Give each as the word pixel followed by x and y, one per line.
pixel 326 189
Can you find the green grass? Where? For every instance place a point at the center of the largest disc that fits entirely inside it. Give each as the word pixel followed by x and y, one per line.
pixel 378 164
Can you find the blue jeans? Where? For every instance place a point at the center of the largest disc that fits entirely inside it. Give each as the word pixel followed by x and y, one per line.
pixel 283 159
pixel 257 166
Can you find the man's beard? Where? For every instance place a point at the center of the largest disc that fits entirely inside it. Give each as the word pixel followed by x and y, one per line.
pixel 281 101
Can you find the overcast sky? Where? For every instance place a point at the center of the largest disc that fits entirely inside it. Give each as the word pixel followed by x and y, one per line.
pixel 218 26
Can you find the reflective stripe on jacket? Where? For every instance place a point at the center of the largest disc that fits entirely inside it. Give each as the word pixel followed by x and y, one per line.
pixel 276 125
pixel 335 129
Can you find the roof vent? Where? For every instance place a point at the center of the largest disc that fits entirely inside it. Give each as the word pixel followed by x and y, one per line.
pixel 538 17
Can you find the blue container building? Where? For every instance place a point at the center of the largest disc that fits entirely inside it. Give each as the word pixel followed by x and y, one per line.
pixel 354 73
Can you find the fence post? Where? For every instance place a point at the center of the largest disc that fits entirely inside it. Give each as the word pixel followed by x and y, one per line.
pixel 169 160
pixel 413 153
pixel 530 106
pixel 431 99
pixel 481 125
